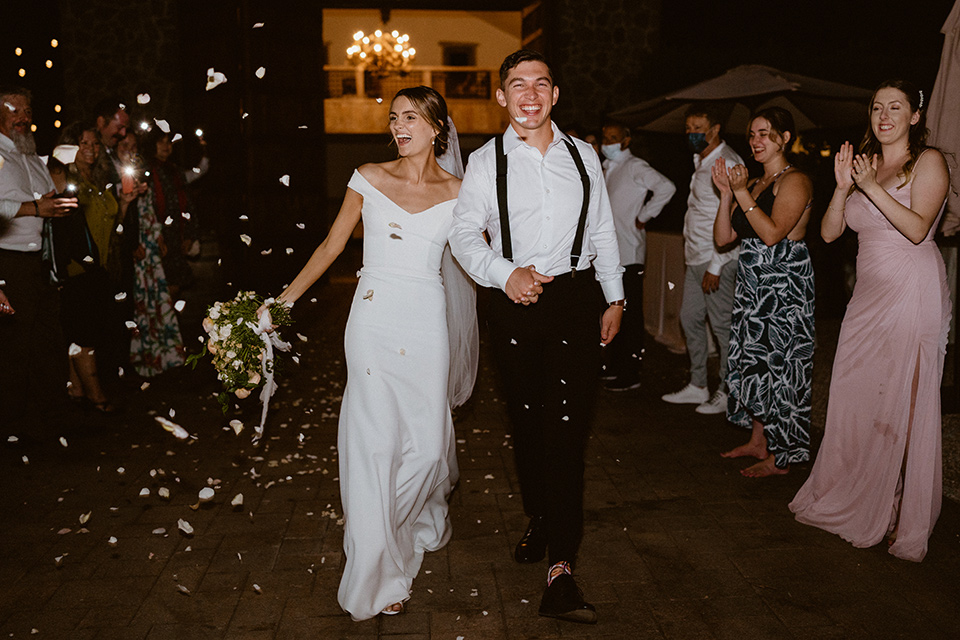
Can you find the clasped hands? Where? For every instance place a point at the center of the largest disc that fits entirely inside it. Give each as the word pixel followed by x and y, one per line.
pixel 525 285
pixel 729 180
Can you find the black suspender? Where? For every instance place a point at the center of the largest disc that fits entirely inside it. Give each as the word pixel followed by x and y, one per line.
pixel 502 200
pixel 502 203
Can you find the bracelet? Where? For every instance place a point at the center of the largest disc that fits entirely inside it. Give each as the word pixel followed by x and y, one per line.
pixel 36 208
pixel 750 209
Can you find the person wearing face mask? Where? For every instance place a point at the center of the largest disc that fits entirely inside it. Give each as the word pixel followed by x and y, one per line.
pixel 711 273
pixel 630 181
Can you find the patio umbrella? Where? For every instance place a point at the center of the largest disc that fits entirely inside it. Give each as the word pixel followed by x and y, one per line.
pixel 943 114
pixel 814 103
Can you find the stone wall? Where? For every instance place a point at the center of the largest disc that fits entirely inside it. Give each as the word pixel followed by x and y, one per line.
pixel 601 51
pixel 122 48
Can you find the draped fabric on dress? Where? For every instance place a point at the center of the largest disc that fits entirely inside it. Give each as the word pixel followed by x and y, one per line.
pixel 881 450
pixel 157 345
pixel 396 438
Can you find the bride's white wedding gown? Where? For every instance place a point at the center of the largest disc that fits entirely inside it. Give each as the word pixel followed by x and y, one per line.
pixel 396 438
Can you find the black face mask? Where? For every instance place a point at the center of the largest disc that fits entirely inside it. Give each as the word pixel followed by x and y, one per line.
pixel 697 142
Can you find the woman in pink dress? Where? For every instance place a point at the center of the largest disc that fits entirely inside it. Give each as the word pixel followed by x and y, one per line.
pixel 878 472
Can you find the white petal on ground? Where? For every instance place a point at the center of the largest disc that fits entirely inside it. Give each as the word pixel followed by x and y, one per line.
pixel 182 589
pixel 159 531
pixel 59 559
pixel 143 98
pixel 257 588
pixel 13 439
pixel 144 386
pixel 261 72
pixel 206 494
pixel 120 296
pixel 670 286
pixel 184 526
pixel 74 349
pixel 237 500
pixel 25 459
pixel 121 471
pixel 164 493
pixel 258 25
pixel 289 250
pixel 266 252
pixel 112 541
pixel 245 239
pixel 63 441
pixel 237 426
pixel 178 432
pixel 85 517
pixel 285 179
pixel 144 492
pixel 163 124
pixel 300 225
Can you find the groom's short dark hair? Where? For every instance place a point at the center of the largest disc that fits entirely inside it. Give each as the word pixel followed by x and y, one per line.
pixel 515 58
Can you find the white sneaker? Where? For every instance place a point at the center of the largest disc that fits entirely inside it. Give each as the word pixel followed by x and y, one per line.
pixel 716 404
pixel 690 394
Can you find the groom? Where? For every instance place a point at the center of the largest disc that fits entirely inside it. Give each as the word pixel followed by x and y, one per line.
pixel 541 198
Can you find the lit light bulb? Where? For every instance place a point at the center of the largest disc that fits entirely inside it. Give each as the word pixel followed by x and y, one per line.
pixel 54 43
pixel 199 133
pixel 128 171
pixel 363 54
pixel 358 35
pixel 144 126
pixel 56 108
pixel 377 48
pixel 22 72
pixel 395 33
pixel 378 33
pixel 33 128
pixel 18 51
pixel 412 51
pixel 366 40
pixel 49 64
pixel 56 123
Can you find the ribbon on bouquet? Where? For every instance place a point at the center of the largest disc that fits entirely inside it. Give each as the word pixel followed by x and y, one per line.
pixel 264 329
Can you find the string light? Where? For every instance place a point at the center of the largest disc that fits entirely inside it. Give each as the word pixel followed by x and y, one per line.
pixel 54 43
pixel 56 108
pixel 18 51
pixel 49 64
pixel 33 128
pixel 56 123
pixel 22 72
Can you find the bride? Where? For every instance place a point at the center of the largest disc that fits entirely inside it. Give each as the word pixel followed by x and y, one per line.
pixel 396 438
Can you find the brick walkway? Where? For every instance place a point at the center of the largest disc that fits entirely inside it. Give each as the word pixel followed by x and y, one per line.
pixel 677 544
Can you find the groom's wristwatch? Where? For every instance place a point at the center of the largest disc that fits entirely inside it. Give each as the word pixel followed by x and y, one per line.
pixel 620 303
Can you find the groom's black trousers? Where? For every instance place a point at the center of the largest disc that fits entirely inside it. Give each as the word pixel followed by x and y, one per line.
pixel 548 355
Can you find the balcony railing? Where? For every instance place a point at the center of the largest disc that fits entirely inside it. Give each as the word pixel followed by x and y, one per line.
pixel 469 83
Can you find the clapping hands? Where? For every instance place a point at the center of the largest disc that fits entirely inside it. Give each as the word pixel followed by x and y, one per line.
pixel 850 168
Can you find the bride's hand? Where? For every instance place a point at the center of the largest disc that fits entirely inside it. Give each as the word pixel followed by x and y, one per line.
pixel 260 311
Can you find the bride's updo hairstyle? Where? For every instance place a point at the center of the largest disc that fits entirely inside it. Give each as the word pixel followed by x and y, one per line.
pixel 430 105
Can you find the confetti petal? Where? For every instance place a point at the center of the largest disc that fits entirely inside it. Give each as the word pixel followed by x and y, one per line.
pixel 112 541
pixel 163 124
pixel 285 179
pixel 179 305
pixel 245 239
pixel 237 500
pixel 184 526
pixel 143 98
pixel 214 78
pixel 74 349
pixel 178 432
pixel 206 494
pixel 261 72
pixel 85 517
pixel 164 493
pixel 63 441
pixel 176 137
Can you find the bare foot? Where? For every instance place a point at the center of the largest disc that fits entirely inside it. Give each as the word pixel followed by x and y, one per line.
pixel 763 469
pixel 394 609
pixel 758 451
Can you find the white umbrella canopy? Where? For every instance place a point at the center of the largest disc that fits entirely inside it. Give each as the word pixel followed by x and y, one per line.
pixel 943 114
pixel 814 103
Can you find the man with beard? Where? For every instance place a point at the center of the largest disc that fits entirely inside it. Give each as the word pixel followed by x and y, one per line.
pixel 112 122
pixel 33 357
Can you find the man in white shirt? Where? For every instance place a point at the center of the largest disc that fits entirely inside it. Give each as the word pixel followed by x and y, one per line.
pixel 629 181
pixel 551 240
pixel 33 358
pixel 711 270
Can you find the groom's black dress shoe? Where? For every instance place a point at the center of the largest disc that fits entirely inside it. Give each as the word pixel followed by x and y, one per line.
pixel 564 600
pixel 533 545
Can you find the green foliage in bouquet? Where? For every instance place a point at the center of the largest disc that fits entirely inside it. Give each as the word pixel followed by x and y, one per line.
pixel 236 348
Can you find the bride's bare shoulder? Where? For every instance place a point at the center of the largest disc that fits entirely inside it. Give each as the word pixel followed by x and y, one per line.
pixel 377 172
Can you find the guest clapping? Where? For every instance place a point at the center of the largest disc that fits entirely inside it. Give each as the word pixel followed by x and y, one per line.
pixel 878 472
pixel 772 332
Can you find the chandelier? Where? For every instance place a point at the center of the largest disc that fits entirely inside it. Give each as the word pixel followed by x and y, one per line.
pixel 382 52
